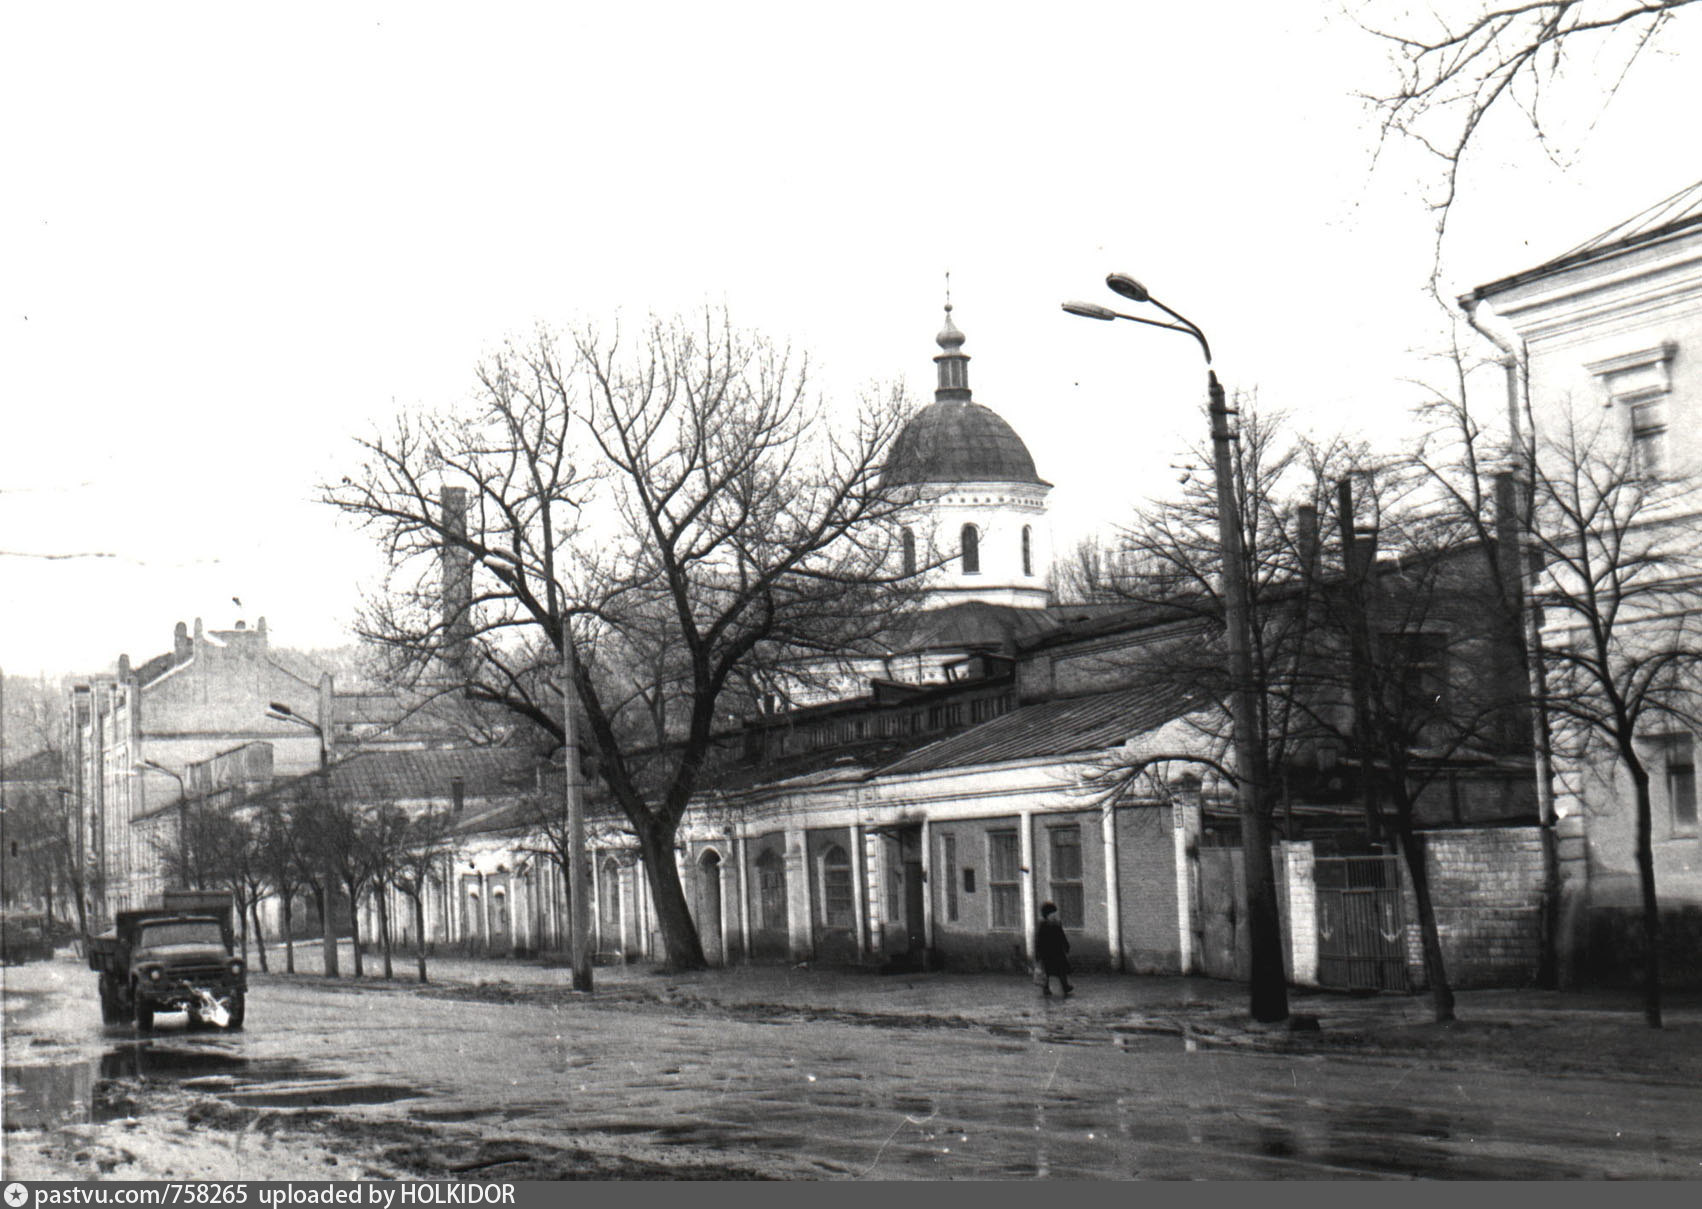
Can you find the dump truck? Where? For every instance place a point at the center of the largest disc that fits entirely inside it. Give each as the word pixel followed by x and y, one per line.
pixel 178 956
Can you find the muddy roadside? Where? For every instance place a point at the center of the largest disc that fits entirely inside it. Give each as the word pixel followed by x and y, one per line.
pixel 165 1133
pixel 1543 1039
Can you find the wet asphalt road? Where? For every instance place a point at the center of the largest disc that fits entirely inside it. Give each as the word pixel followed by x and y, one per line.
pixel 838 1100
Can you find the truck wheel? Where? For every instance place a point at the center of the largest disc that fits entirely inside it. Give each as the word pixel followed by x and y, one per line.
pixel 238 1008
pixel 144 1016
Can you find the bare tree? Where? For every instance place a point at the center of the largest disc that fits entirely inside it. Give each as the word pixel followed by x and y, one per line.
pixel 414 862
pixel 684 501
pixel 1453 72
pixel 1622 594
pixel 276 858
pixel 1617 581
pixel 383 839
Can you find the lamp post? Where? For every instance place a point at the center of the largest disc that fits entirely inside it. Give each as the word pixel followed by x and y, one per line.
pixel 1268 986
pixel 283 713
pixel 182 815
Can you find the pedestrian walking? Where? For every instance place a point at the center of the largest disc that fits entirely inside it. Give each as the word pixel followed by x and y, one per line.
pixel 1051 951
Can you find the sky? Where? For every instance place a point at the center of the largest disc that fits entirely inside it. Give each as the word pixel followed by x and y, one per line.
pixel 235 238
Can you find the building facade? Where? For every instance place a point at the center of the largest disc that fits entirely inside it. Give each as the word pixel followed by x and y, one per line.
pixel 1610 335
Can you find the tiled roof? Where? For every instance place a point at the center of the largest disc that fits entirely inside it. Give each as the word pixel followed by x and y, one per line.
pixel 413 775
pixel 1064 727
pixel 975 623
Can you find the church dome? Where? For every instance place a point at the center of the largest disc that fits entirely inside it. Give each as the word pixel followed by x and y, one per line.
pixel 958 441
pixel 954 439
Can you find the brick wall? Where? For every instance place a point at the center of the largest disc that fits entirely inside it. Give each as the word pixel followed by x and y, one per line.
pixel 1146 861
pixel 1486 885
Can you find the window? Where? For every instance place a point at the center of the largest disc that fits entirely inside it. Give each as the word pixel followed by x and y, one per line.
pixel 1004 879
pixel 1648 417
pixel 971 546
pixel 909 540
pixel 1416 665
pixel 948 866
pixel 836 911
pixel 1638 384
pixel 1027 550
pixel 1064 865
pixel 771 890
pixel 1680 759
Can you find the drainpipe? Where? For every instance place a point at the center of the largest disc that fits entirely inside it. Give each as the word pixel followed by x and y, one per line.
pixel 1113 887
pixel 1029 907
pixel 1516 364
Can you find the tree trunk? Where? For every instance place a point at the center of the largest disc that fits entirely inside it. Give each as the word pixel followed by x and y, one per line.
pixel 1441 994
pixel 419 930
pixel 287 895
pixel 1268 984
pixel 259 933
pixel 684 951
pixel 354 926
pixel 384 927
pixel 325 894
pixel 1651 903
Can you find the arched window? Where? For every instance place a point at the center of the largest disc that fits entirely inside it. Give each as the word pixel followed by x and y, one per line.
pixel 836 908
pixel 971 546
pixel 909 552
pixel 771 891
pixel 1027 550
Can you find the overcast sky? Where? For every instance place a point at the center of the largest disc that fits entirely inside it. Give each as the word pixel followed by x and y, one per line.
pixel 232 237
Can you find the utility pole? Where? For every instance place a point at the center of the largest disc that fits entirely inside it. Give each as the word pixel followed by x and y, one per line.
pixel 578 898
pixel 1268 983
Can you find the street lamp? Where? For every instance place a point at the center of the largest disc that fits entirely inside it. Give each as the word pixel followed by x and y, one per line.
pixel 283 713
pixel 1268 986
pixel 182 814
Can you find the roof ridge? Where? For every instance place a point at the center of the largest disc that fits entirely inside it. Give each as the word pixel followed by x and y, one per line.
pixel 1681 206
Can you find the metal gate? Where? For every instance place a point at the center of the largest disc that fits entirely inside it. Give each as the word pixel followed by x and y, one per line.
pixel 1361 929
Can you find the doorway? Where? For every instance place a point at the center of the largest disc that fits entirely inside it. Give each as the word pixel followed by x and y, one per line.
pixel 709 907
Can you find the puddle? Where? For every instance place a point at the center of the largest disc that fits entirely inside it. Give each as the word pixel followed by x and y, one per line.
pixel 38 1097
pixel 93 1090
pixel 332 1095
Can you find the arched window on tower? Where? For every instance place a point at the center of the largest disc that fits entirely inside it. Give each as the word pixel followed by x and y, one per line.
pixel 1027 550
pixel 971 548
pixel 909 551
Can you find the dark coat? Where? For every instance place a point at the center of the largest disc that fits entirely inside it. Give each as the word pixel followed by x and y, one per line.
pixel 1051 946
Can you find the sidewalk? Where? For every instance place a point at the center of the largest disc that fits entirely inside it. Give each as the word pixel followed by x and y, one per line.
pixel 1549 1031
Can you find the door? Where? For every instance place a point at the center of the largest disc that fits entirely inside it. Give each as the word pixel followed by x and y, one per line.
pixel 610 937
pixel 709 907
pixel 1223 942
pixel 1361 928
pixel 905 934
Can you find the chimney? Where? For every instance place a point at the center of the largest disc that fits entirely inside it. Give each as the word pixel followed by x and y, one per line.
pixel 1359 543
pixel 458 792
pixel 180 645
pixel 1306 537
pixel 457 584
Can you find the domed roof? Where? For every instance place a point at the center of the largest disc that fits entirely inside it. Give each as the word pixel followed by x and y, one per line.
pixel 954 439
pixel 957 441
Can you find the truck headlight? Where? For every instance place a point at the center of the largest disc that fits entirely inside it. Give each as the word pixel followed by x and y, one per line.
pixel 154 974
pixel 236 967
